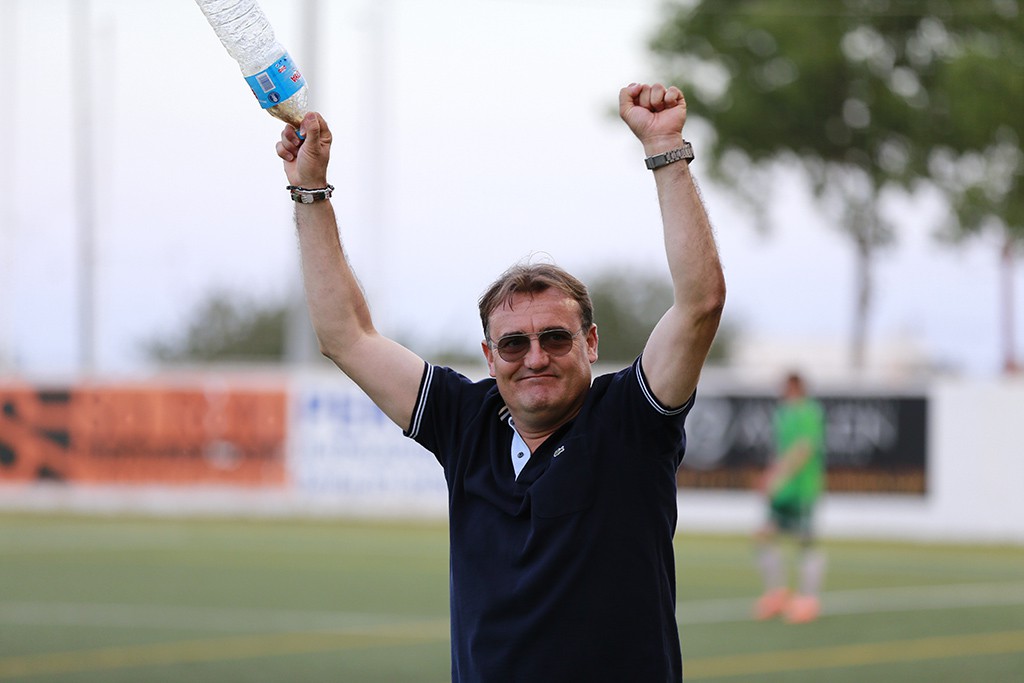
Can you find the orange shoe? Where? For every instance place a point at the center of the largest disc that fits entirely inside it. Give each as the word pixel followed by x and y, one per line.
pixel 803 609
pixel 771 604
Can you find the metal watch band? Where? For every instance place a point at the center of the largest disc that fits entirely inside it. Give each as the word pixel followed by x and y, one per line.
pixel 670 157
pixel 303 195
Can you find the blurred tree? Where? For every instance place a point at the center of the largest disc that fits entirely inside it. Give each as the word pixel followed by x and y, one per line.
pixel 226 327
pixel 864 97
pixel 231 327
pixel 627 306
pixel 979 165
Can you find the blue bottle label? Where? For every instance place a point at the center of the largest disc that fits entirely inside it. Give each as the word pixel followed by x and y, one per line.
pixel 277 83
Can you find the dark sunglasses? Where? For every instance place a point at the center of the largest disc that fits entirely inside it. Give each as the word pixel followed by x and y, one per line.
pixel 513 347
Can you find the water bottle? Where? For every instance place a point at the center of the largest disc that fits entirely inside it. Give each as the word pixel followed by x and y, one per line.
pixel 244 31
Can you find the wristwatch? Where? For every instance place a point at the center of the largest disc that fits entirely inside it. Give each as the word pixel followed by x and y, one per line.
pixel 670 157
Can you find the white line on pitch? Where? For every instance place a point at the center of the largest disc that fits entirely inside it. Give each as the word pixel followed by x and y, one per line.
pixel 866 601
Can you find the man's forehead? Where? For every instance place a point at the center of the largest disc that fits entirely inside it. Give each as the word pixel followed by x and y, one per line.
pixel 543 310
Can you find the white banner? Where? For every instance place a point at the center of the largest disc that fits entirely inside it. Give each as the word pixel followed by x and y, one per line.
pixel 342 444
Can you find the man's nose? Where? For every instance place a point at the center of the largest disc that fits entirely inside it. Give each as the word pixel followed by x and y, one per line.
pixel 536 357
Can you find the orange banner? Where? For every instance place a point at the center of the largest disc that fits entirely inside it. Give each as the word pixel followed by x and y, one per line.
pixel 152 434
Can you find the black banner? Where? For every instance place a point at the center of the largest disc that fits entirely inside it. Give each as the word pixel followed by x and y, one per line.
pixel 873 443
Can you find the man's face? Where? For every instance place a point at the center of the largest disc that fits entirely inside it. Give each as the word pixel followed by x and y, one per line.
pixel 540 389
pixel 792 390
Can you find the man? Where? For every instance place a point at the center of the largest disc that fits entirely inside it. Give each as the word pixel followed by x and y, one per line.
pixel 792 484
pixel 561 490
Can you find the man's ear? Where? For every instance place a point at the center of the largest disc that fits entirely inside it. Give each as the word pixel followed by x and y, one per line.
pixel 489 356
pixel 592 344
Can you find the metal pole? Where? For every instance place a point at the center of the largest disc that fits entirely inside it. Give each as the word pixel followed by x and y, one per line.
pixel 1010 364
pixel 300 343
pixel 8 37
pixel 85 206
pixel 311 17
pixel 375 151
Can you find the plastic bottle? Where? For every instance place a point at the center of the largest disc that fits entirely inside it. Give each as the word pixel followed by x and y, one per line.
pixel 272 76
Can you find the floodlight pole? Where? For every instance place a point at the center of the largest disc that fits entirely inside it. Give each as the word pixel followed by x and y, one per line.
pixel 300 344
pixel 8 35
pixel 83 154
pixel 375 146
pixel 1010 364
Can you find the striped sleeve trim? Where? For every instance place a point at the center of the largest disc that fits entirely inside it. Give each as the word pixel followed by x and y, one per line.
pixel 651 398
pixel 421 401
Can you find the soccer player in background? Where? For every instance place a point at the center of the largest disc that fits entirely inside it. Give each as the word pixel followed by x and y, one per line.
pixel 792 484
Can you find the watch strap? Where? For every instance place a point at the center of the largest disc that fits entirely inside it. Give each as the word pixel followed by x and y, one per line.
pixel 670 157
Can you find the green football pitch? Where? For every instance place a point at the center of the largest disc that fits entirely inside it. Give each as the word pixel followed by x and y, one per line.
pixel 117 599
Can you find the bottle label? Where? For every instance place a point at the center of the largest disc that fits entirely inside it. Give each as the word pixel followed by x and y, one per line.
pixel 277 83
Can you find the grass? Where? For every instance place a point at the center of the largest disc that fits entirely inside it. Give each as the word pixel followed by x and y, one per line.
pixel 114 599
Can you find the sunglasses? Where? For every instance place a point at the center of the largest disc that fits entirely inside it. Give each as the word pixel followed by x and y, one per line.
pixel 513 347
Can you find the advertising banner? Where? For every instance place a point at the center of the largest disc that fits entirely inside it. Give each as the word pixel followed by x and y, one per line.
pixel 873 443
pixel 143 434
pixel 343 444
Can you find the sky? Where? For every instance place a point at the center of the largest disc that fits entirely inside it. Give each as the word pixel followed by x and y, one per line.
pixel 469 134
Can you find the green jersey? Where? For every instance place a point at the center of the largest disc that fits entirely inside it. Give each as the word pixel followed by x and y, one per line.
pixel 796 421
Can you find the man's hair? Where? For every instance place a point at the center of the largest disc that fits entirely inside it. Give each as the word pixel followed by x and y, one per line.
pixel 534 279
pixel 795 381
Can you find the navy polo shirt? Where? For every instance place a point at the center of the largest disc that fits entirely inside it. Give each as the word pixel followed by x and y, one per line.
pixel 566 573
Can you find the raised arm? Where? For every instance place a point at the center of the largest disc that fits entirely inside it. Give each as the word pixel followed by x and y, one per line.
pixel 678 346
pixel 787 464
pixel 388 372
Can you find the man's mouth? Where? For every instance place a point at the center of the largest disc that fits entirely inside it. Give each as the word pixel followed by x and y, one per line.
pixel 535 377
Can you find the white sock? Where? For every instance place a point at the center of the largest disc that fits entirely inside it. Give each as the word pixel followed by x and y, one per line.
pixel 812 571
pixel 772 566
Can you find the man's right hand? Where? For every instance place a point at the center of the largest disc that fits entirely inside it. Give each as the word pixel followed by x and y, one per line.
pixel 305 160
pixel 655 114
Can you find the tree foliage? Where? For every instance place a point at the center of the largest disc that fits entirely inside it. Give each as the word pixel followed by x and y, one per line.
pixel 864 96
pixel 980 165
pixel 627 306
pixel 226 327
pixel 230 327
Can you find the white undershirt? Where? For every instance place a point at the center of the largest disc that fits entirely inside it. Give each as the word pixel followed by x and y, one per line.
pixel 520 453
